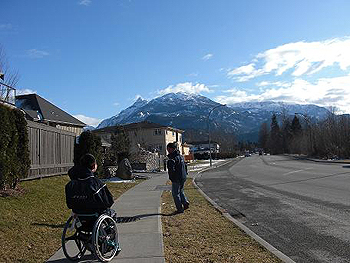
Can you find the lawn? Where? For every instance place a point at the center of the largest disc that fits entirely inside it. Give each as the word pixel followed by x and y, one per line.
pixel 31 223
pixel 202 234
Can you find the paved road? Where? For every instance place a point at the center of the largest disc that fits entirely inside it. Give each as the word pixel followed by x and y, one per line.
pixel 300 207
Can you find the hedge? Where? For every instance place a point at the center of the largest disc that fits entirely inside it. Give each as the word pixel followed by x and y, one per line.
pixel 14 151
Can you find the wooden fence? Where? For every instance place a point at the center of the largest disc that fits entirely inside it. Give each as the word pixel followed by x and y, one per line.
pixel 51 150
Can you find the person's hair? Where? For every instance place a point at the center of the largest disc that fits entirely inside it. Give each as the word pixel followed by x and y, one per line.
pixel 88 160
pixel 171 145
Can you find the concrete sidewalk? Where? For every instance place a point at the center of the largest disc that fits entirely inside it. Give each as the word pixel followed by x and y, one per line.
pixel 139 227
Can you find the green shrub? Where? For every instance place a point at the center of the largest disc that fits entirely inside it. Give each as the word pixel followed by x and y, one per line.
pixel 14 153
pixel 89 143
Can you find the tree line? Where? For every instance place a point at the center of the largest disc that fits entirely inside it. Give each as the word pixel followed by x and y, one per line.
pixel 301 134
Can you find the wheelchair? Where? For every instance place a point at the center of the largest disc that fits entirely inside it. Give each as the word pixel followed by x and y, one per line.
pixel 94 232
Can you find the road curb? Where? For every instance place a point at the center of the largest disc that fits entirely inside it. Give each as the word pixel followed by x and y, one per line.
pixel 317 160
pixel 249 232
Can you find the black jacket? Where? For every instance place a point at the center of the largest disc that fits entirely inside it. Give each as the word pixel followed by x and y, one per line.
pixel 176 167
pixel 85 193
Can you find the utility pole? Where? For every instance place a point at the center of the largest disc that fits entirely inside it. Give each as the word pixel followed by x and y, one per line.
pixel 221 105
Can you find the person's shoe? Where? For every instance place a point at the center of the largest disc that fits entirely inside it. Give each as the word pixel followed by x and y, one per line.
pixel 186 206
pixel 178 212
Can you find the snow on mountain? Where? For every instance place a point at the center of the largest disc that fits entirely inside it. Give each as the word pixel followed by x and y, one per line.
pixel 190 111
pixel 310 110
pixel 123 115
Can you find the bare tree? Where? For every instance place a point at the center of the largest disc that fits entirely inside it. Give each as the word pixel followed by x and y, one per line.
pixel 9 77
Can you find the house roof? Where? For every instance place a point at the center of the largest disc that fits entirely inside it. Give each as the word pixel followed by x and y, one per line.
pixel 202 142
pixel 33 115
pixel 31 103
pixel 137 125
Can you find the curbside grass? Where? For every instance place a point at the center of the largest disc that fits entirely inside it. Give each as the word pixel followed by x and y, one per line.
pixel 203 234
pixel 31 223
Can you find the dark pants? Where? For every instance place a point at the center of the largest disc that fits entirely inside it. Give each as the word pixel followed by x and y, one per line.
pixel 177 190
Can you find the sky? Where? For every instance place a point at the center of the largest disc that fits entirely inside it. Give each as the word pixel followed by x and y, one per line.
pixel 94 58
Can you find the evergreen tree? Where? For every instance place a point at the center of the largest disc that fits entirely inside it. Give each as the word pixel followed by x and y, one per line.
pixel 14 153
pixel 89 143
pixel 296 126
pixel 275 141
pixel 286 135
pixel 120 147
pixel 22 147
pixel 264 136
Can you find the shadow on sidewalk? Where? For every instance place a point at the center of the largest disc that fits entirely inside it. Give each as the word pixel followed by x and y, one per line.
pixel 120 220
pixel 128 219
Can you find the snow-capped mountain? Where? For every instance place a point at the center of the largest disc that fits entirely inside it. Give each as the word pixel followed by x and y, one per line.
pixel 311 110
pixel 123 115
pixel 190 112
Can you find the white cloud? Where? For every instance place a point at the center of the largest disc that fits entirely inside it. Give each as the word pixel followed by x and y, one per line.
pixel 324 92
pixel 25 91
pixel 245 73
pixel 187 87
pixel 194 74
pixel 207 56
pixel 301 58
pixel 5 26
pixel 116 104
pixel 85 2
pixel 34 53
pixel 276 83
pixel 88 120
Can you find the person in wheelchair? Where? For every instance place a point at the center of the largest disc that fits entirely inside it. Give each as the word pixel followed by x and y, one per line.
pixel 85 193
pixel 93 224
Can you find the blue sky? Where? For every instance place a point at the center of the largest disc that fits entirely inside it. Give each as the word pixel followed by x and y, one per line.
pixel 94 58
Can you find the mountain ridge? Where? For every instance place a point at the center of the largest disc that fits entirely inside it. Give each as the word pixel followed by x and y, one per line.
pixel 190 111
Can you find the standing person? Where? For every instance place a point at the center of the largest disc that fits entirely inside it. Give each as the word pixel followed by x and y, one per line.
pixel 177 175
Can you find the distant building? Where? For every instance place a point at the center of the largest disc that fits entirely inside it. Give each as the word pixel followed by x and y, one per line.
pixel 40 110
pixel 186 152
pixel 150 136
pixel 202 147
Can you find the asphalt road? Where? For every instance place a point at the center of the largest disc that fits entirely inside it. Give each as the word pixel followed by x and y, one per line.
pixel 300 207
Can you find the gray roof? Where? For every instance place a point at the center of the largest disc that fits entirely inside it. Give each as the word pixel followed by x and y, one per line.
pixel 48 111
pixel 137 125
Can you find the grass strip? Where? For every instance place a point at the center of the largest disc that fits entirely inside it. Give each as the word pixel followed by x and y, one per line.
pixel 203 234
pixel 31 224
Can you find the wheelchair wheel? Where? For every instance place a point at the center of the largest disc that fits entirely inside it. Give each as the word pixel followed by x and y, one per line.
pixel 73 244
pixel 105 238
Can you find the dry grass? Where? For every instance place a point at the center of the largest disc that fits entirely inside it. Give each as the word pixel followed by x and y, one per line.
pixel 202 234
pixel 31 224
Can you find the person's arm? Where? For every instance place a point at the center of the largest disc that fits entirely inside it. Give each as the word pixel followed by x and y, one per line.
pixel 103 195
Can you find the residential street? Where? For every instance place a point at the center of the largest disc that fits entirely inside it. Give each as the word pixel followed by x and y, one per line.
pixel 300 207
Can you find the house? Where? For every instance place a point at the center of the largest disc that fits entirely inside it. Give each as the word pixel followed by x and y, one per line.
pixel 202 147
pixel 38 109
pixel 51 133
pixel 150 136
pixel 186 152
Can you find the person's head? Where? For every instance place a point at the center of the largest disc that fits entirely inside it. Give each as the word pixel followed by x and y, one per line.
pixel 89 161
pixel 171 147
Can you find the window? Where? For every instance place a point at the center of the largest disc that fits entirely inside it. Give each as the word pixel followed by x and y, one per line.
pixel 157 132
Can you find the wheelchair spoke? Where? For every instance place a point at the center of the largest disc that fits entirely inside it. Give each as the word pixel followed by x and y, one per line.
pixel 79 245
